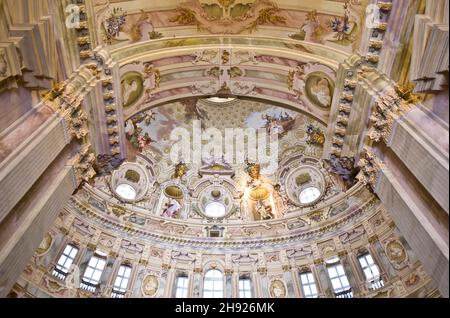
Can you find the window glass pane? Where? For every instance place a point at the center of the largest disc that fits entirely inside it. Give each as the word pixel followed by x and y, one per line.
pixel 332 272
pixel 344 281
pixel 363 262
pixel 126 191
pixel 340 270
pixel 336 283
pixel 375 270
pixel 62 260
pixel 213 284
pixel 309 195
pixel 304 279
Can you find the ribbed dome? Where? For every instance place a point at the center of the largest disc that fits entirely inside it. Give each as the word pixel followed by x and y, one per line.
pixel 173 192
pixel 259 193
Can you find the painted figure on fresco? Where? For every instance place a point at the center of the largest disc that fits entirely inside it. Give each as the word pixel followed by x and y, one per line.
pixel 321 91
pixel 264 210
pixel 172 209
pixel 280 125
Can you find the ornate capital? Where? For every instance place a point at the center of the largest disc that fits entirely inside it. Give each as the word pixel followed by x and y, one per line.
pixel 262 270
pixel 165 266
pixel 373 239
pixel 370 166
pixel 143 262
pixel 388 107
pixel 91 246
pixel 83 164
pixel 318 261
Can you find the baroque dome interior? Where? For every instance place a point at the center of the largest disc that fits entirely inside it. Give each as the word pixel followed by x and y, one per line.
pixel 224 149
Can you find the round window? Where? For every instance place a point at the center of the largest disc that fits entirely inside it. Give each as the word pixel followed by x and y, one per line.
pixel 215 210
pixel 309 195
pixel 126 191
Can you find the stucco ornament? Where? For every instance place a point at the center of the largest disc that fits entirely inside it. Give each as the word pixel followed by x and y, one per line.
pixel 277 289
pixel 396 254
pixel 150 285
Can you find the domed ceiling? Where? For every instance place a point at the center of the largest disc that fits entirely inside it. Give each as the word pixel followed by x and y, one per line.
pixel 167 74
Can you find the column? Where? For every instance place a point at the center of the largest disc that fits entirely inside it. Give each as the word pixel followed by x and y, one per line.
pixel 346 263
pixel 138 278
pixel 163 280
pixel 107 279
pixel 228 291
pixel 264 282
pixel 169 290
pixel 197 283
pixel 323 281
pixel 360 278
pixel 288 280
pixel 296 282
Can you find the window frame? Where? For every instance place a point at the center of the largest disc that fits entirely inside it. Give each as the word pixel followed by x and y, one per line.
pixel 184 289
pixel 90 280
pixel 376 281
pixel 245 292
pixel 118 291
pixel 308 284
pixel 343 287
pixel 61 271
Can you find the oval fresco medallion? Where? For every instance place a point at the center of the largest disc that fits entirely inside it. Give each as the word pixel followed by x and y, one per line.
pixel 150 285
pixel 319 89
pixel 277 289
pixel 396 252
pixel 132 85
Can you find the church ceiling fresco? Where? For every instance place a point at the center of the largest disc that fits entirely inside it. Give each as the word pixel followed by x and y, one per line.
pixel 337 24
pixel 149 132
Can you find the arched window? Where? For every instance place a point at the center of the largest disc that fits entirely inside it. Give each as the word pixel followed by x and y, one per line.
pixel 126 191
pixel 213 284
pixel 215 210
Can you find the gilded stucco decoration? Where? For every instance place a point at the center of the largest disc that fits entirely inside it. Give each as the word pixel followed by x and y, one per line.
pixel 150 285
pixel 277 289
pixel 138 82
pixel 312 83
pixel 45 244
pixel 397 254
pixel 228 17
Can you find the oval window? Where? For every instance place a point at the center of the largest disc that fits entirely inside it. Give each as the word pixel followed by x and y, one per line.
pixel 215 210
pixel 309 195
pixel 126 191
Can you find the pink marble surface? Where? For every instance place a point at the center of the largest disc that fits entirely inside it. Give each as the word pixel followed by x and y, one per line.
pixel 23 131
pixel 173 60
